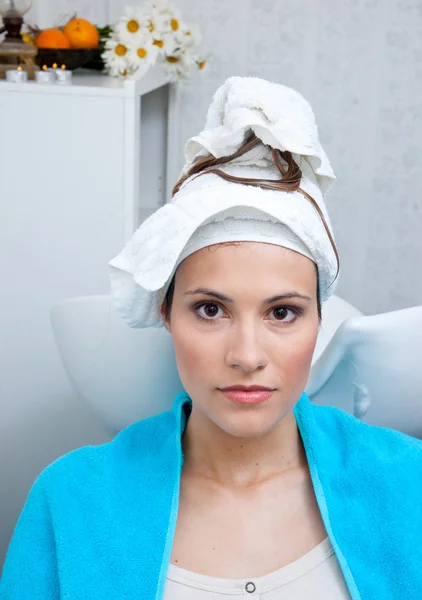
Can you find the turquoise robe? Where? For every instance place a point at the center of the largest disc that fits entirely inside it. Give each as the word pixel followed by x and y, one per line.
pixel 99 522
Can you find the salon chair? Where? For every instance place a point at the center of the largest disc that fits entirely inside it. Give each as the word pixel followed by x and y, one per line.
pixel 366 365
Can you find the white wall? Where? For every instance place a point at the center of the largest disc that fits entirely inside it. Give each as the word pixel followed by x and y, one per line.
pixel 359 63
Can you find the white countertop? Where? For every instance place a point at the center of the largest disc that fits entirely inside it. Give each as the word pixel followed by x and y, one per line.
pixel 93 83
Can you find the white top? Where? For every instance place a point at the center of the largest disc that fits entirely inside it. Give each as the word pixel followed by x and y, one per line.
pixel 86 82
pixel 316 575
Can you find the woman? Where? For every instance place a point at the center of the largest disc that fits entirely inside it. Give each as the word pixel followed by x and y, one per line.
pixel 234 492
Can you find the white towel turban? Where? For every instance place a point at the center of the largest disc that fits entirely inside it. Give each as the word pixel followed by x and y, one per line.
pixel 208 209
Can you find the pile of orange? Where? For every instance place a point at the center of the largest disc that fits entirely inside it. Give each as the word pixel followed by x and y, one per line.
pixel 78 33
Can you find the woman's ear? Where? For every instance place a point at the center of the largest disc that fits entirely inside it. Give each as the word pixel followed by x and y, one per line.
pixel 166 322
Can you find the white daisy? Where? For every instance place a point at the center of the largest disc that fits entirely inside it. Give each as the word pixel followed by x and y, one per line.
pixel 170 18
pixel 188 36
pixel 142 56
pixel 202 63
pixel 115 57
pixel 149 33
pixel 126 74
pixel 164 8
pixel 175 21
pixel 167 44
pixel 179 65
pixel 133 25
pixel 158 24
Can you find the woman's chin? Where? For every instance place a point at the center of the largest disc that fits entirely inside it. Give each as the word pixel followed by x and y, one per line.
pixel 248 425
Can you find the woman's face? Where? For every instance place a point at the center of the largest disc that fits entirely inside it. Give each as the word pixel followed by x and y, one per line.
pixel 244 338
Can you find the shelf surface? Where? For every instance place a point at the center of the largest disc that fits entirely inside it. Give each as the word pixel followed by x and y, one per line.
pixel 94 83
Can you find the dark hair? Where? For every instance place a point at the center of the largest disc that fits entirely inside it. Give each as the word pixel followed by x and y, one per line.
pixel 289 182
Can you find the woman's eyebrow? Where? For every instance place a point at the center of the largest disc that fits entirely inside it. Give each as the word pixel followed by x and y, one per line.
pixel 224 298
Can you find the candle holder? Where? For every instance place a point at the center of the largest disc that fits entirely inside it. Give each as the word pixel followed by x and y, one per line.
pixel 16 75
pixel 45 76
pixel 14 51
pixel 64 76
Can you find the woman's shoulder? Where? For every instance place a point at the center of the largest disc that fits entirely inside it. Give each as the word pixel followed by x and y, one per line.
pixel 130 449
pixel 355 436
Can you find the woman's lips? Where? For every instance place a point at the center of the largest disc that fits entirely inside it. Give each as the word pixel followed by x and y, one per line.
pixel 245 397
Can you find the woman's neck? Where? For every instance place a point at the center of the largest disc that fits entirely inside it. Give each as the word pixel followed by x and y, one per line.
pixel 212 453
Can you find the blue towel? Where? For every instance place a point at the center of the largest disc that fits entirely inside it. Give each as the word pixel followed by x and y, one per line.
pixel 99 522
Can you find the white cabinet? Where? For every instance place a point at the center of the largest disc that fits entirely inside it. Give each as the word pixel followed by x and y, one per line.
pixel 80 167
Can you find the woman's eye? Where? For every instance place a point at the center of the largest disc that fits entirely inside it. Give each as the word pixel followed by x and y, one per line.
pixel 210 311
pixel 281 314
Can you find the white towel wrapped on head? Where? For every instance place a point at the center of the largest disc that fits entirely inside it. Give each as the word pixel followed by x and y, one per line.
pixel 277 114
pixel 282 119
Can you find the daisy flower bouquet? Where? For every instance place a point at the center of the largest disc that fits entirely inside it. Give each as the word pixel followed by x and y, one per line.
pixel 151 33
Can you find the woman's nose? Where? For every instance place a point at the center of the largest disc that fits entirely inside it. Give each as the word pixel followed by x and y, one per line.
pixel 245 349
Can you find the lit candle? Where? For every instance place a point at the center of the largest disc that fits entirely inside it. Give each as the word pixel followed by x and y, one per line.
pixel 16 75
pixel 52 69
pixel 64 75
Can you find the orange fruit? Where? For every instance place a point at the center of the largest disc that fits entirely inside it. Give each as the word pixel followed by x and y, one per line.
pixel 52 38
pixel 82 34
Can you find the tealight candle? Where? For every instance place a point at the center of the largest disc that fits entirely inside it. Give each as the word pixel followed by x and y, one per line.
pixel 45 76
pixel 64 75
pixel 16 75
pixel 52 69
